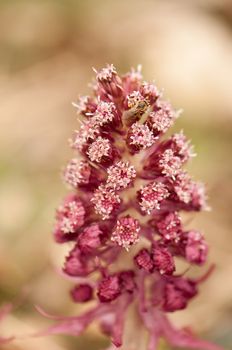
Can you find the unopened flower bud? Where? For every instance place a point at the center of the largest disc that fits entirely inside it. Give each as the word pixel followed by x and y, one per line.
pixel 109 289
pixel 144 260
pixel 163 260
pixel 82 293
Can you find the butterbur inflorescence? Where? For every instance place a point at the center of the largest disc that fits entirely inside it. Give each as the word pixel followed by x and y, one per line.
pixel 123 216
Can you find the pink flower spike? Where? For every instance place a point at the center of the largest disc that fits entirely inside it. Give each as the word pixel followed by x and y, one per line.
pixel 126 232
pixel 129 190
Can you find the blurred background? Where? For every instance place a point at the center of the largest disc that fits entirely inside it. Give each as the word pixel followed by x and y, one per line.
pixel 47 49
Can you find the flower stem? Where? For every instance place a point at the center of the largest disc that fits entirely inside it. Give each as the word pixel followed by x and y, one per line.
pixel 135 334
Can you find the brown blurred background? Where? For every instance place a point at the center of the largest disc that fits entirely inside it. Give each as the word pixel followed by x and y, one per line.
pixel 47 49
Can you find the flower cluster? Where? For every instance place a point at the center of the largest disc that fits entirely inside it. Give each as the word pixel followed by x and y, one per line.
pixel 123 217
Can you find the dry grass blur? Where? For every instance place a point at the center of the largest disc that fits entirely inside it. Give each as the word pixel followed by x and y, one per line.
pixel 47 49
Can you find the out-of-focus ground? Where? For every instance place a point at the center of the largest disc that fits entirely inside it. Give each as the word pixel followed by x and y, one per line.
pixel 47 49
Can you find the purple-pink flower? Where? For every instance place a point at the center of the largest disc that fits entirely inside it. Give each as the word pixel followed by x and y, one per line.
pixel 123 217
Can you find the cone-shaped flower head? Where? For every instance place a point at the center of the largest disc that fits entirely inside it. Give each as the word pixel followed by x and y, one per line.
pixel 124 214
